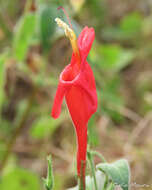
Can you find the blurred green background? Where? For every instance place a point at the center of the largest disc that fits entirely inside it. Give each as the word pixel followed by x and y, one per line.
pixel 33 52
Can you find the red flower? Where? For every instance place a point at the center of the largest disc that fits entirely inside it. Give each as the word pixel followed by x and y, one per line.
pixel 77 85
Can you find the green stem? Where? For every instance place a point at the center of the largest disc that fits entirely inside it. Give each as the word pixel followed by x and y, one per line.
pixel 49 181
pixel 81 180
pixel 90 159
pixel 111 186
pixel 80 183
pixel 106 182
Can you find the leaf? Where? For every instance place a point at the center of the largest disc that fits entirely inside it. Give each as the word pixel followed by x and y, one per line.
pixel 97 8
pixel 118 171
pixel 44 127
pixel 129 28
pixel 111 98
pixel 47 24
pixel 131 24
pixel 18 179
pixel 23 34
pixel 114 58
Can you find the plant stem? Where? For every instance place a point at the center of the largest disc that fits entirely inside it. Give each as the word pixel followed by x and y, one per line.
pixel 106 182
pixel 17 132
pixel 90 159
pixel 81 180
pixel 49 181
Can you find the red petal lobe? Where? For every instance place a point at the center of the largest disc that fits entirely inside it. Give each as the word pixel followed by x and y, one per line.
pixel 85 41
pixel 61 90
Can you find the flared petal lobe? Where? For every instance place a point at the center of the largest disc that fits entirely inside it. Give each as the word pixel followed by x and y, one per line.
pixel 85 41
pixel 60 93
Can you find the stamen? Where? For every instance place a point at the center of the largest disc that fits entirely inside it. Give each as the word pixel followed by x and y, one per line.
pixel 70 34
pixel 66 14
pixel 68 31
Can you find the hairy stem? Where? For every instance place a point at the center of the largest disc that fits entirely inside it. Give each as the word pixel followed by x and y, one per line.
pixel 90 159
pixel 82 176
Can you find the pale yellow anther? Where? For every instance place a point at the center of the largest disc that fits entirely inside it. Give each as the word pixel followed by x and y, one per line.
pixel 70 34
pixel 68 31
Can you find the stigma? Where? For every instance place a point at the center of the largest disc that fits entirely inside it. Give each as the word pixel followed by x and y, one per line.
pixel 70 34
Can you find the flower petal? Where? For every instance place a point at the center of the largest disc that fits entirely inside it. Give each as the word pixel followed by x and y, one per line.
pixel 61 90
pixel 75 98
pixel 85 41
pixel 81 100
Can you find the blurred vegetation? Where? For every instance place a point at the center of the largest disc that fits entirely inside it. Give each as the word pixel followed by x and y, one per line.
pixel 33 53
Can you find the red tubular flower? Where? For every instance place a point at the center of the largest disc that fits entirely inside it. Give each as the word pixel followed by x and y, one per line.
pixel 77 85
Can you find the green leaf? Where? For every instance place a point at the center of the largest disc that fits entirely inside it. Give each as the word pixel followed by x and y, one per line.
pixel 130 28
pixel 131 24
pixel 44 127
pixel 49 181
pixel 47 24
pixel 23 34
pixel 97 8
pixel 18 179
pixel 111 98
pixel 114 57
pixel 118 171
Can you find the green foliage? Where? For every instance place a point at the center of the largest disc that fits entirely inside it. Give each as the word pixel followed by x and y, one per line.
pixel 97 8
pixel 93 138
pixel 2 149
pixel 49 181
pixel 2 74
pixel 44 127
pixel 111 99
pixel 24 32
pixel 47 24
pixel 111 187
pixel 59 181
pixel 18 178
pixel 129 26
pixel 118 171
pixel 100 177
pixel 109 60
pixel 114 57
pixel 111 57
